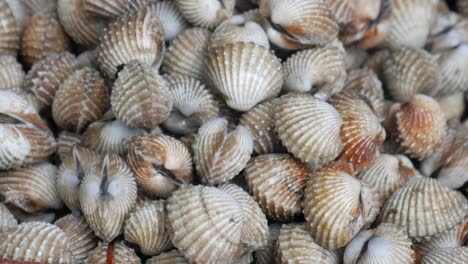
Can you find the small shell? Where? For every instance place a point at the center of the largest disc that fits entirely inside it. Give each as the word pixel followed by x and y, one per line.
pixel 146 227
pixel 309 128
pixel 140 96
pixel 134 36
pixel 7 220
pixel 10 30
pixel 32 188
pixel 244 74
pixel 172 20
pixel 37 242
pixel 171 257
pixel 386 244
pixel 81 236
pixel 116 253
pixel 440 208
pixel 206 13
pixel 81 100
pixel 455 237
pixel 11 73
pixel 267 254
pixel 454 70
pixel 65 142
pixel 160 163
pixel 277 182
pixel 458 255
pixel 107 193
pixel 187 53
pixel 337 205
pixel 453 105
pixel 218 155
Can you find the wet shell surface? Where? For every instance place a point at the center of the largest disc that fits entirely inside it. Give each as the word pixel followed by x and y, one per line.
pixel 8 221
pixel 206 13
pixel 112 8
pixel 440 208
pixel 171 257
pixel 244 74
pixel 457 255
pixel 220 155
pixel 454 70
pixel 11 74
pixel 309 128
pixel 9 31
pixel 116 253
pixel 267 254
pixel 171 19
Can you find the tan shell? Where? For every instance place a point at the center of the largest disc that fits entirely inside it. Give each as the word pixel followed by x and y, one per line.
pixel 65 142
pixel 37 242
pixel 267 254
pixel 134 36
pixel 116 252
pixel 171 257
pixel 113 8
pixel 458 255
pixel 309 128
pixel 140 96
pixel 206 13
pixel 443 208
pixel 32 188
pixel 81 236
pixel 7 220
pixel 10 30
pixel 454 70
pixel 47 75
pixel 337 205
pixel 355 57
pixel 205 224
pixel 39 216
pixel 453 105
pixel 146 227
pixel 187 53
pixel 11 73
pixel 220 155
pixel 320 71
pixel 172 20
pixel 343 10
pixel 35 6
pixel 82 99
pixel 277 182
pixel 107 193
pixel 160 163
pixel 385 244
pixel 455 237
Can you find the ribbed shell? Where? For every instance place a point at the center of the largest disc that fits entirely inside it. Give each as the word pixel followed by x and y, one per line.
pixel 454 70
pixel 458 255
pixel 116 253
pixel 11 73
pixel 455 237
pixel 171 257
pixel 9 31
pixel 39 216
pixel 82 99
pixel 160 163
pixel 113 8
pixel 47 75
pixel 140 96
pixel 449 31
pixel 453 171
pixel 31 188
pixel 172 20
pixel 107 194
pixel 7 221
pixel 309 128
pixel 343 10
pixel 146 227
pixel 277 182
pixel 187 53
pixel 65 142
pixel 320 71
pixel 206 13
pixel 134 36
pixel 220 155
pixel 267 254
pixel 424 207
pixel 37 242
pixel 386 244
pixel 81 236
pixel 205 224
pixel 337 205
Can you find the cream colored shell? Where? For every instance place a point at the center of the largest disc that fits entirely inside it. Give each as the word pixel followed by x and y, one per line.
pixel 172 20
pixel 454 70
pixel 11 74
pixel 113 8
pixel 10 30
pixel 206 13
pixel 457 255
pixel 8 221
pixel 452 238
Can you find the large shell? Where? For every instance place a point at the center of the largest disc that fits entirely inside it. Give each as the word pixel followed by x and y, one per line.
pixel 277 182
pixel 267 254
pixel 11 74
pixel 309 128
pixel 454 70
pixel 171 257
pixel 140 97
pixel 172 20
pixel 206 13
pixel 385 244
pixel 458 255
pixel 337 205
pixel 37 242
pixel 115 253
pixel 7 221
pixel 205 224
pixel 134 36
pixel 113 8
pixel 10 30
pixel 455 237
pixel 244 74
pixel 424 207
pixel 218 155
pixel 161 163
pixel 107 193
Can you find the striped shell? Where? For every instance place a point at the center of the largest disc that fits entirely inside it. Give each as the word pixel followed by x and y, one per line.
pixel 337 205
pixel 160 163
pixel 454 70
pixel 39 216
pixel 424 207
pixel 172 20
pixel 140 96
pixel 458 255
pixel 277 182
pixel 220 155
pixel 171 257
pixel 9 31
pixel 107 194
pixel 267 254
pixel 112 8
pixel 11 74
pixel 449 31
pixel 115 253
pixel 453 171
pixel 245 74
pixel 206 13
pixel 65 142
pixel 7 221
pixel 455 237
pixel 309 128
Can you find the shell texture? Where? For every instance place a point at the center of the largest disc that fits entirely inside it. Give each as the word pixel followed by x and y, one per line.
pixel 171 19
pixel 9 31
pixel 11 74
pixel 36 6
pixel 455 237
pixel 449 31
pixel 171 257
pixel 206 13
pixel 452 105
pixel 65 142
pixel 8 221
pixel 39 216
pixel 267 254
pixel 454 70
pixel 458 255
pixel 113 8
pixel 116 253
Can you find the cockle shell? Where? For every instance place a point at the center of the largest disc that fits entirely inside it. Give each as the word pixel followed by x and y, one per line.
pixel 160 163
pixel 171 257
pixel 443 208
pixel 140 96
pixel 453 105
pixel 455 237
pixel 115 252
pixel 454 70
pixel 309 128
pixel 37 242
pixel 65 142
pixel 10 30
pixel 171 19
pixel 39 216
pixel 385 244
pixel 458 255
pixel 453 171
pixel 146 227
pixel 206 13
pixel 107 193
pixel 277 182
pixel 220 155
pixel 320 71
pixel 82 99
pixel 113 8
pixel 343 10
pixel 11 74
pixel 7 220
pixel 355 57
pixel 134 36
pixel 36 6
pixel 449 31
pixel 337 205
pixel 267 254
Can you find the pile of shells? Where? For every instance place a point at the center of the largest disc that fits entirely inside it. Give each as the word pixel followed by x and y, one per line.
pixel 233 132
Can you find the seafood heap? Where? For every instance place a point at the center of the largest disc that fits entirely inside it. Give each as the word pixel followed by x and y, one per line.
pixel 234 131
